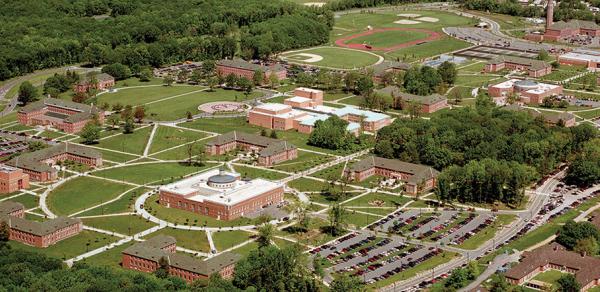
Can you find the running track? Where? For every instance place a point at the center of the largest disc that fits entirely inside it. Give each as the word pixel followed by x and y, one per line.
pixel 432 36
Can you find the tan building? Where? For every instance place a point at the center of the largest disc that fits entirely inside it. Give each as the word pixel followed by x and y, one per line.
pixel 270 151
pixel 417 178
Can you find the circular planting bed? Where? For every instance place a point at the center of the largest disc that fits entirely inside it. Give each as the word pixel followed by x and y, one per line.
pixel 222 106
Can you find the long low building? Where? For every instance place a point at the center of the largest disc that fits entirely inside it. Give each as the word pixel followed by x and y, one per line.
pixel 221 195
pixel 581 57
pixel 38 164
pixel 551 118
pixel 529 91
pixel 417 178
pixel 555 257
pixel 64 115
pixel 429 103
pixel 270 151
pixel 534 68
pixel 242 68
pixel 34 233
pixel 148 256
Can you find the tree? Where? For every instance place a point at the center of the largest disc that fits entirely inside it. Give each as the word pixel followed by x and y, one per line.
pixel 414 109
pixel 448 72
pixel 331 134
pixel 568 283
pixel 117 70
pixel 336 215
pixel 350 81
pixel 140 113
pixel 117 107
pixel 168 80
pixel 27 93
pixel 365 86
pixel 273 80
pixel 245 85
pixel 258 77
pixel 586 246
pixel 456 95
pixel 129 126
pixel 300 210
pixel 145 75
pixel 232 80
pixel 273 134
pixel 265 235
pixel 305 79
pixel 190 152
pixel 52 92
pixel 499 284
pixel 79 97
pixel 114 120
pixel 183 75
pixel 543 55
pixel 90 132
pixel 573 232
pixel 4 232
pixel 347 283
pixel 263 132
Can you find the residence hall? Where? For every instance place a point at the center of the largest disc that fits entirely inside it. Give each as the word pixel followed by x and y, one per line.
pixel 417 178
pixel 551 118
pixel 147 257
pixel 529 91
pixel 220 194
pixel 63 115
pixel 241 68
pixel 39 164
pixel 99 81
pixel 429 103
pixel 555 257
pixel 270 151
pixel 534 68
pixel 381 69
pixel 581 57
pixel 34 233
pixel 12 179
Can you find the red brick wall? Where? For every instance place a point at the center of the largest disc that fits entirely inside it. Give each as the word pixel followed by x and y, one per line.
pixel 138 264
pixel 13 181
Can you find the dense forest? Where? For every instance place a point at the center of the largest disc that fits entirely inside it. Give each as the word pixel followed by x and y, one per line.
pixel 38 34
pixel 480 144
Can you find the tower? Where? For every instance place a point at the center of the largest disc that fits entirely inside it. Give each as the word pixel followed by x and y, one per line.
pixel 549 13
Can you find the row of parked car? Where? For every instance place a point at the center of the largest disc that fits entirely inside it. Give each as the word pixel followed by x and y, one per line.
pixel 387 219
pixel 333 243
pixel 402 267
pixel 438 227
pixel 455 228
pixel 361 252
pixel 479 227
pixel 395 252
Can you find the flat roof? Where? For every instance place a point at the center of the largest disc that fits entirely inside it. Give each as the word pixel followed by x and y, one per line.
pixel 273 106
pixel 541 87
pixel 195 188
pixel 581 56
pixel 369 115
pixel 308 89
pixel 298 99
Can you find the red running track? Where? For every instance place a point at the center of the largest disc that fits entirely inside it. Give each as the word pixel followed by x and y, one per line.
pixel 342 42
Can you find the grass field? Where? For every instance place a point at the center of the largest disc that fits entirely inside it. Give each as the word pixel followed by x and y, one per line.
pixel 111 257
pixel 150 172
pixel 190 239
pixel 29 201
pixel 360 21
pixel 131 143
pixel 429 49
pixel 250 172
pixel 549 276
pixel 389 38
pixel 378 200
pixel 142 95
pixel 126 225
pixel 304 161
pixel 70 247
pixel 168 137
pixel 83 192
pixel 228 239
pixel 124 204
pixel 334 57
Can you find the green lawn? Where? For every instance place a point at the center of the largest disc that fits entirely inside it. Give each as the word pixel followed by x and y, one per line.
pixel 359 220
pixel 251 172
pixel 124 204
pixel 29 201
pixel 116 156
pixel 168 137
pixel 304 161
pixel 307 185
pixel 133 81
pixel 126 225
pixel 389 38
pixel 111 257
pixel 83 192
pixel 378 200
pixel 317 233
pixel 476 80
pixel 190 239
pixel 334 57
pixel 228 239
pixel 330 172
pixel 151 172
pixel 549 276
pixel 134 143
pixel 359 21
pixel 70 247
pixel 246 248
pixel 589 114
pixel 429 49
pixel 376 211
pixel 143 95
pixel 187 217
pixel 177 108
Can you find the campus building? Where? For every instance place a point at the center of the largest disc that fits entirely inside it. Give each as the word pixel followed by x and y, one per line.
pixel 103 81
pixel 586 269
pixel 429 103
pixel 34 233
pixel 534 68
pixel 581 57
pixel 385 67
pixel 551 118
pixel 242 68
pixel 64 115
pixel 305 97
pixel 529 92
pixel 220 194
pixel 39 164
pixel 270 151
pixel 12 179
pixel 148 256
pixel 563 30
pixel 417 178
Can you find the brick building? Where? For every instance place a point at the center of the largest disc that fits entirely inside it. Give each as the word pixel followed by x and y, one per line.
pixel 429 104
pixel 103 82
pixel 64 115
pixel 34 233
pixel 555 257
pixel 242 68
pixel 551 118
pixel 305 97
pixel 529 91
pixel 534 68
pixel 417 178
pixel 220 194
pixel 148 256
pixel 581 57
pixel 561 31
pixel 381 69
pixel 270 151
pixel 12 179
pixel 39 164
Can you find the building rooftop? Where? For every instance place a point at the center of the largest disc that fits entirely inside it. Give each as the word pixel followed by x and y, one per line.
pixel 418 172
pixel 273 106
pixel 196 188
pixel 526 86
pixel 7 169
pixel 7 207
pixel 34 160
pixel 41 228
pixel 60 103
pixel 381 68
pixel 298 99
pixel 368 115
pixel 574 24
pixel 583 55
pixel 270 146
pixel 531 63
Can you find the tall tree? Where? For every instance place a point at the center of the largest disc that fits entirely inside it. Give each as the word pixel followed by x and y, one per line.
pixel 27 93
pixel 265 235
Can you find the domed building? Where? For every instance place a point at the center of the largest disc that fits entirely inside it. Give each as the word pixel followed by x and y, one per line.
pixel 529 91
pixel 221 194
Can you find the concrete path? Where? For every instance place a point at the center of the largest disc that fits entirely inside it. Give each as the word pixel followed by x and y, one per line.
pixel 149 143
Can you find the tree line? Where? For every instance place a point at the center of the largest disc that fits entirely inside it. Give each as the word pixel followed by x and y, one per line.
pixel 151 33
